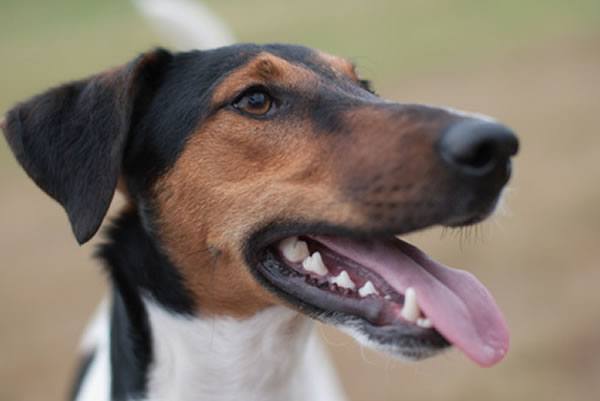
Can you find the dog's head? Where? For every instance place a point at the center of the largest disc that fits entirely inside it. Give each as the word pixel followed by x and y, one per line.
pixel 274 174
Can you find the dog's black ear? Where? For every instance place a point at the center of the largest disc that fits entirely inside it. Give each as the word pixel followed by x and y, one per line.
pixel 71 139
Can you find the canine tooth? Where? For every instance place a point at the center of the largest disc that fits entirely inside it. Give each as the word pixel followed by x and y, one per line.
pixel 410 310
pixel 367 289
pixel 315 264
pixel 424 323
pixel 293 249
pixel 343 280
pixel 387 297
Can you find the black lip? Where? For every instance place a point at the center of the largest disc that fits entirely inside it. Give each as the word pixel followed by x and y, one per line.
pixel 410 341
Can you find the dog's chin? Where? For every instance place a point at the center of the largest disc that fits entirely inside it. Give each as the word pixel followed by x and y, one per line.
pixel 384 292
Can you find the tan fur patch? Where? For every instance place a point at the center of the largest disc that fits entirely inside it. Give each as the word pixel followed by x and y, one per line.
pixel 228 183
pixel 339 65
pixel 262 69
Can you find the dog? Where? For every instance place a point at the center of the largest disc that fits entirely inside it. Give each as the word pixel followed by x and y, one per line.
pixel 266 188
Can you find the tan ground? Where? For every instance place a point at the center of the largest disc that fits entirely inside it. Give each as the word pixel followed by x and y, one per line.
pixel 539 259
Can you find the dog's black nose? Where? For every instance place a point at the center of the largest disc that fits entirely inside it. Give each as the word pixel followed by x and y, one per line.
pixel 477 147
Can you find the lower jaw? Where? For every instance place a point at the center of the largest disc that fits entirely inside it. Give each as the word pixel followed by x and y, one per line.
pixel 364 319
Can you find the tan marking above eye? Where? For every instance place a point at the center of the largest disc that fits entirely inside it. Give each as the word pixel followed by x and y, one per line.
pixel 265 68
pixel 340 65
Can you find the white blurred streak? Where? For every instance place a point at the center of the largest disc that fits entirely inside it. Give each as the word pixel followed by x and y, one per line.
pixel 186 24
pixel 502 207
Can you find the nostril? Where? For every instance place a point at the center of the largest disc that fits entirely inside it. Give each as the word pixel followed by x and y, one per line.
pixel 477 147
pixel 478 156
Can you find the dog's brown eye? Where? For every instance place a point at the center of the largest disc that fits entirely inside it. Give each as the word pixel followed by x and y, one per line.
pixel 256 102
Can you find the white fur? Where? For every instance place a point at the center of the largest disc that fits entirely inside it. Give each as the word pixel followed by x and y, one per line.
pixel 96 384
pixel 271 356
pixel 188 24
pixel 324 381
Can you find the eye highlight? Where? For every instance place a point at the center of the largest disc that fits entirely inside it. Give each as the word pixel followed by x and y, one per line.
pixel 254 101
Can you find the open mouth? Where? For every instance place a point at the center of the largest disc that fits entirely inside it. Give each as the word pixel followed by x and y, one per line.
pixel 388 291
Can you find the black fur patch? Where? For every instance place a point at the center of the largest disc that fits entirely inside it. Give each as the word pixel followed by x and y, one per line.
pixel 137 268
pixel 137 265
pixel 130 346
pixel 71 139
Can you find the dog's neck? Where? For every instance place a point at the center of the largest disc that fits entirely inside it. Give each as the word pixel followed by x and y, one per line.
pixel 259 358
pixel 160 350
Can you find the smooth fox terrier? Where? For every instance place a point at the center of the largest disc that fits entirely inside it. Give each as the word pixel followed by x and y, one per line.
pixel 266 186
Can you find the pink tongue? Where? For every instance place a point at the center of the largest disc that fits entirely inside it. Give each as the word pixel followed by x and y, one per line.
pixel 458 305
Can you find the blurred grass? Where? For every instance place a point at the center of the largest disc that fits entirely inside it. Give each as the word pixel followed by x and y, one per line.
pixel 395 37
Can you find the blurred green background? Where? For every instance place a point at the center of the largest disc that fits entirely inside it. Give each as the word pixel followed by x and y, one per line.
pixel 535 65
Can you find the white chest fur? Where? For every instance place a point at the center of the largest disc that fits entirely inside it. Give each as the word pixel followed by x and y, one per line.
pixel 273 356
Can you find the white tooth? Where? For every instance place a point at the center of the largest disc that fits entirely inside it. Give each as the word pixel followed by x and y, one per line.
pixel 293 249
pixel 410 310
pixel 387 297
pixel 343 280
pixel 367 289
pixel 315 264
pixel 424 323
